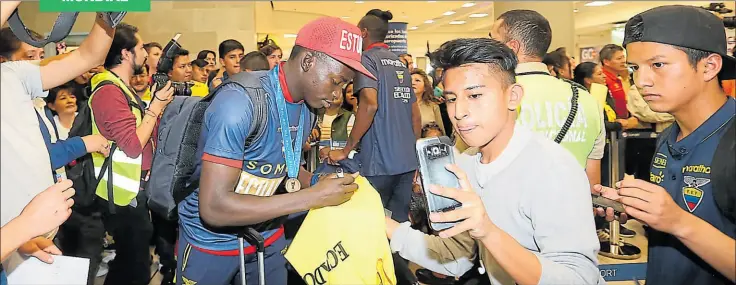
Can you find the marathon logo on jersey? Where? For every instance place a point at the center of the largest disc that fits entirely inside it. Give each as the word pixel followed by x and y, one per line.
pixel 333 258
pixel 391 62
pixel 351 42
pixel 691 193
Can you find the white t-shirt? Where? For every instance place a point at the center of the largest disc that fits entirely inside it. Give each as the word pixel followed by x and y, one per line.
pixel 63 131
pixel 25 167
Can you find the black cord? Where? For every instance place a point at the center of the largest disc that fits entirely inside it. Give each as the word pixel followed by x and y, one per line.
pixel 571 117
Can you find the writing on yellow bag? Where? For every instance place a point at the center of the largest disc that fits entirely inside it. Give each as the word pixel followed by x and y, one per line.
pixel 345 244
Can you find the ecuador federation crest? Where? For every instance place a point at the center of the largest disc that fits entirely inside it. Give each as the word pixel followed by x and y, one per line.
pixel 400 76
pixel 691 193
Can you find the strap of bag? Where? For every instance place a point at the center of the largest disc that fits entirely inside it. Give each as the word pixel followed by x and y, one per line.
pixel 107 166
pixel 46 140
pixel 62 27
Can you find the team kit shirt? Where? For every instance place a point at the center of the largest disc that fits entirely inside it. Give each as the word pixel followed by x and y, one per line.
pixel 226 126
pixel 616 87
pixel 387 148
pixel 684 169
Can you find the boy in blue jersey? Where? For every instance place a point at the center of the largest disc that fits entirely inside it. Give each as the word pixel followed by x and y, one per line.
pixel 240 187
pixel 691 241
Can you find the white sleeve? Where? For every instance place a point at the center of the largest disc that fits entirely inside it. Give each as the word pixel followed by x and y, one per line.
pixel 29 75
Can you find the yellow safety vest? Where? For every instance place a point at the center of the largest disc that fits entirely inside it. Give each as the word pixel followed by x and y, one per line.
pixel 126 171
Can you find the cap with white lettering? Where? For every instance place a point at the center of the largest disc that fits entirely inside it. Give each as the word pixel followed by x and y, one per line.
pixel 336 38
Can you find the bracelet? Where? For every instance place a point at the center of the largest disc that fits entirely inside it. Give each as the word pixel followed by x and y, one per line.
pixel 151 113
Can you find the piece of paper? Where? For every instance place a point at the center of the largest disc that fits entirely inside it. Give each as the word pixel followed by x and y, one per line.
pixel 64 270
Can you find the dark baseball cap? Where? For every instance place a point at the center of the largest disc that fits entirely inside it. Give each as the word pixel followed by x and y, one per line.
pixel 682 26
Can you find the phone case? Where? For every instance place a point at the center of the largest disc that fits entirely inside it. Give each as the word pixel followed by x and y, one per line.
pixel 434 154
pixel 600 201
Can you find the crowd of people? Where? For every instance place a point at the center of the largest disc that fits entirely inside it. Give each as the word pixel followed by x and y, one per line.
pixel 530 129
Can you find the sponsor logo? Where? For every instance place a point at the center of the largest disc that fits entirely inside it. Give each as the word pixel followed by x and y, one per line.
pixel 400 76
pixel 691 193
pixel 660 161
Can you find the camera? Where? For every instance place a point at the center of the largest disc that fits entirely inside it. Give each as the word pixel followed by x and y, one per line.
pixel 165 64
pixel 720 8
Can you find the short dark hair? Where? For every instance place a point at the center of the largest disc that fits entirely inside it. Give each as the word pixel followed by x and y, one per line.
pixel 376 22
pixel 54 92
pixel 530 28
pixel 345 104
pixel 148 46
pixel 228 46
pixel 269 49
pixel 254 61
pixel 496 55
pixel 9 43
pixel 608 51
pixel 124 39
pixel 181 52
pixel 557 60
pixel 583 71
pixel 201 63
pixel 203 54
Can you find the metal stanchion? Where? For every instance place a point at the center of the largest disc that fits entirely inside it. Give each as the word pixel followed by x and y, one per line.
pixel 615 247
pixel 313 157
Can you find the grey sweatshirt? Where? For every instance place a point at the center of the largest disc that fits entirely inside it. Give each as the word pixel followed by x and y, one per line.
pixel 536 192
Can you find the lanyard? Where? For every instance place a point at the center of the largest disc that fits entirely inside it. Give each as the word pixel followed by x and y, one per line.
pixel 291 149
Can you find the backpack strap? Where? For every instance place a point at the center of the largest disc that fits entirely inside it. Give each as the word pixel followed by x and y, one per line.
pixel 724 166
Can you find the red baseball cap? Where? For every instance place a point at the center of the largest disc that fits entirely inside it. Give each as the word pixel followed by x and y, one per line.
pixel 336 38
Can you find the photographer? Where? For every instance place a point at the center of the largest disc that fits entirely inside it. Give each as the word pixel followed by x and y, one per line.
pixel 119 116
pixel 512 219
pixel 26 169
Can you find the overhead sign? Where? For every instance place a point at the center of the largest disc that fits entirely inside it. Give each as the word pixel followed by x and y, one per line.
pixel 95 5
pixel 589 54
pixel 397 39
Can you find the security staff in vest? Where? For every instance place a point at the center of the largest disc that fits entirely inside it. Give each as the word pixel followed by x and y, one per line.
pixel 691 240
pixel 118 115
pixel 388 122
pixel 529 35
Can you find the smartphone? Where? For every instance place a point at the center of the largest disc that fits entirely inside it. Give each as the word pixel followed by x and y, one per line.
pixel 434 154
pixel 603 202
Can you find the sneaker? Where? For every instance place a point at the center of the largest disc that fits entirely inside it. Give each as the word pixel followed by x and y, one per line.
pixel 624 232
pixel 102 271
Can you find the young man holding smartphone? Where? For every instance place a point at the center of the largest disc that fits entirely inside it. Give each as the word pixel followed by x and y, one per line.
pixel 691 240
pixel 513 219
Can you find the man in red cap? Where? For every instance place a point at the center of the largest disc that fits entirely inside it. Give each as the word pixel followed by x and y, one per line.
pixel 243 186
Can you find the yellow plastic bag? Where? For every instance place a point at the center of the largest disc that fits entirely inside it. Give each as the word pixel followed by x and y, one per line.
pixel 345 244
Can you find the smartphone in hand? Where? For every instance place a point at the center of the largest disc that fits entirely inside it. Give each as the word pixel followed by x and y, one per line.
pixel 434 155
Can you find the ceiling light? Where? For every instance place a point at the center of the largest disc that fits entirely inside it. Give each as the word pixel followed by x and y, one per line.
pixel 429 21
pixel 575 10
pixel 289 35
pixel 457 22
pixel 448 13
pixel 468 5
pixel 598 3
pixel 359 2
pixel 479 15
pixel 414 28
pixel 431 1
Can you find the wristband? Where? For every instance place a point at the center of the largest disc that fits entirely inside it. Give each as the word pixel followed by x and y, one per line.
pixel 151 113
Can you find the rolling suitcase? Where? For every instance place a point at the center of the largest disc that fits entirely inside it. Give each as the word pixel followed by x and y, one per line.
pixel 255 238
